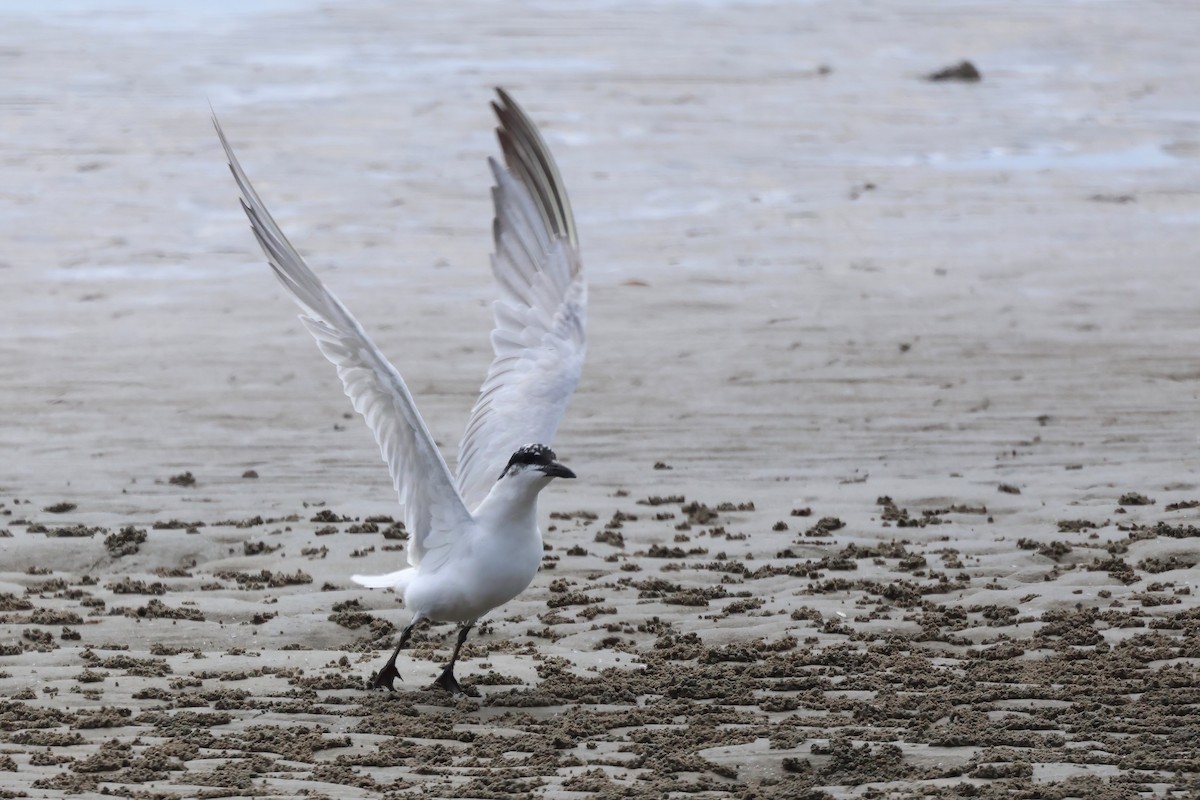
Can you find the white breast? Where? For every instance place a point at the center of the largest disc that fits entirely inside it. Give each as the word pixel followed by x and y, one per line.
pixel 490 569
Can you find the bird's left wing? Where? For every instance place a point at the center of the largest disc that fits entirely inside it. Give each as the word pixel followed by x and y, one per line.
pixel 540 336
pixel 433 509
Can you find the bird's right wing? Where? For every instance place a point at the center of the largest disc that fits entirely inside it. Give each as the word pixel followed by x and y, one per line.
pixel 433 509
pixel 539 338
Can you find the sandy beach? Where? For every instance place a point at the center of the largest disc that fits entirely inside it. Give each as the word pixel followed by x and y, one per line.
pixel 888 440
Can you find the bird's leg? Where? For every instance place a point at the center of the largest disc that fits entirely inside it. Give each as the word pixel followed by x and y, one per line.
pixel 447 680
pixel 387 676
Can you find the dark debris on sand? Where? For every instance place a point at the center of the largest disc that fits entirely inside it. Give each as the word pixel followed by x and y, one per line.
pixel 962 72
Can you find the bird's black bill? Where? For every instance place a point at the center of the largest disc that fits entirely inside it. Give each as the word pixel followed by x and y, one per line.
pixel 557 470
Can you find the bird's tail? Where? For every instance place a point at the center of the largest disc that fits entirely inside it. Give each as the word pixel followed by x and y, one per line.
pixel 392 580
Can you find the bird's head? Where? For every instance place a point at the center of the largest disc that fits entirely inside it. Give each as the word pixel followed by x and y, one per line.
pixel 535 464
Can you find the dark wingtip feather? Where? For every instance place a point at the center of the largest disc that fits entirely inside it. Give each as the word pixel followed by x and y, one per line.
pixel 529 160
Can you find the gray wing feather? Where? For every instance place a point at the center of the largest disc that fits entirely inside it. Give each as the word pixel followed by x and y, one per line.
pixel 540 319
pixel 433 509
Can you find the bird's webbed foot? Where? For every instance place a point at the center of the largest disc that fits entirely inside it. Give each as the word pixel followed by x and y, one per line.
pixel 386 676
pixel 448 682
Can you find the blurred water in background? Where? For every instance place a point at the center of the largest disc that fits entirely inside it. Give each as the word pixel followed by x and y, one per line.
pixel 797 197
pixel 146 14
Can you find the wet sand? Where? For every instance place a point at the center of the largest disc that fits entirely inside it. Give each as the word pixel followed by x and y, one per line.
pixel 888 440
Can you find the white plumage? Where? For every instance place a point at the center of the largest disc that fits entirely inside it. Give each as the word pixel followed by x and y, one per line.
pixel 474 543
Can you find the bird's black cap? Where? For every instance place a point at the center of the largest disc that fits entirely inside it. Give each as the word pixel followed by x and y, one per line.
pixel 538 455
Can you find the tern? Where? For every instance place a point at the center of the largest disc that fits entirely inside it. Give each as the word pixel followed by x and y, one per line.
pixel 474 542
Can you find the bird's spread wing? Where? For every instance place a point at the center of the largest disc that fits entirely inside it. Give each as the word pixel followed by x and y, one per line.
pixel 433 509
pixel 539 338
